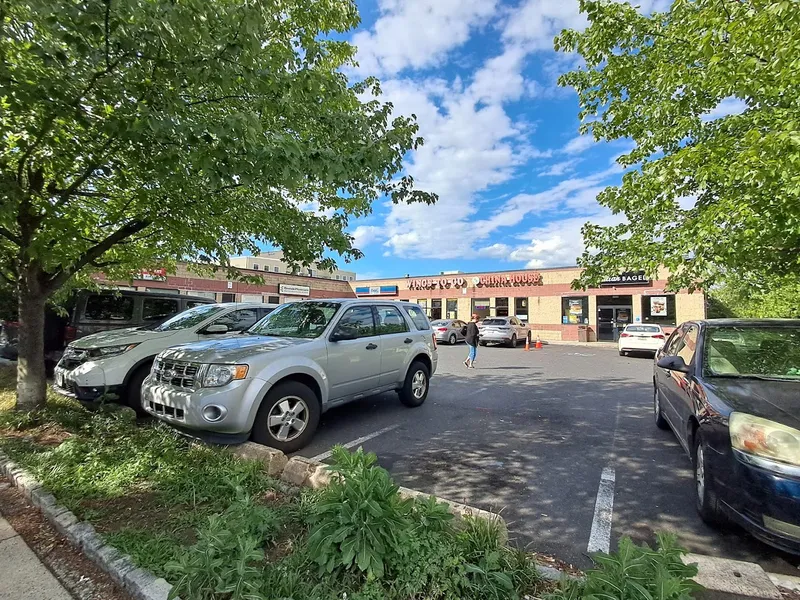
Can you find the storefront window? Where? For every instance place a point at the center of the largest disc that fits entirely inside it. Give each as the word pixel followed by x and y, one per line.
pixel 521 308
pixel 575 310
pixel 501 307
pixel 659 310
pixel 436 309
pixel 480 307
pixel 423 304
pixel 452 309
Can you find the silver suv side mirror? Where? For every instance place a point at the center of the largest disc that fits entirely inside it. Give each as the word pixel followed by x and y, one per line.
pixel 216 328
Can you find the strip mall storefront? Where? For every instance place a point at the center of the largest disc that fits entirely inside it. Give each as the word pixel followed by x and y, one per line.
pixel 545 300
pixel 276 289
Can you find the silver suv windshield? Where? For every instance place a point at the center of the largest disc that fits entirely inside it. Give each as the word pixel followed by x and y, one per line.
pixel 189 318
pixel 297 320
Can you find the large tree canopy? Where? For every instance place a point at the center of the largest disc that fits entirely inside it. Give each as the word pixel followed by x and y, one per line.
pixel 137 130
pixel 712 196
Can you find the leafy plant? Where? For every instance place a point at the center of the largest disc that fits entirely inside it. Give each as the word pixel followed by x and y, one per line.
pixel 227 560
pixel 359 519
pixel 636 573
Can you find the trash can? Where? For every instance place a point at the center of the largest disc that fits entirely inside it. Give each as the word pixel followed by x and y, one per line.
pixel 583 333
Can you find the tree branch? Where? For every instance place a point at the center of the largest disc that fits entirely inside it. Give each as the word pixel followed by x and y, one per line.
pixel 218 99
pixel 10 236
pixel 108 13
pixel 58 278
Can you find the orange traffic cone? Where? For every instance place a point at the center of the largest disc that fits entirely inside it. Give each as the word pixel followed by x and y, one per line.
pixel 538 345
pixel 527 343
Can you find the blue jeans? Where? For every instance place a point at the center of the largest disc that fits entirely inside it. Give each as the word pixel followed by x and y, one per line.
pixel 473 352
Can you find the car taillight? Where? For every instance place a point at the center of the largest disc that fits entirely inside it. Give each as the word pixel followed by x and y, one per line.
pixel 442 329
pixel 622 335
pixel 658 336
pixel 433 337
pixel 70 333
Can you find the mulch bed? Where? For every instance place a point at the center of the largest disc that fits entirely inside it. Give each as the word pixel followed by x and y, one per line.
pixel 78 574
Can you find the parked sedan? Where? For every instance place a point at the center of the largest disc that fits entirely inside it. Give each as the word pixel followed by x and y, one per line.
pixel 503 330
pixel 641 338
pixel 730 390
pixel 448 330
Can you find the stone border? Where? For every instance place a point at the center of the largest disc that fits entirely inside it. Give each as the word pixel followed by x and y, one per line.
pixel 140 584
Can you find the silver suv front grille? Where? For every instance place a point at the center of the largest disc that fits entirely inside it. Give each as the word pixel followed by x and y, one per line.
pixel 174 372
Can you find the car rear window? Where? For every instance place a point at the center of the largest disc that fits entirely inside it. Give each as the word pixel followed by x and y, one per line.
pixel 105 307
pixel 495 322
pixel 157 309
pixel 419 318
pixel 643 329
pixel 438 323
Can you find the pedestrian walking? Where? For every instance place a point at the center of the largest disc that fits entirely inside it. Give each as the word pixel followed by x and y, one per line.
pixel 471 337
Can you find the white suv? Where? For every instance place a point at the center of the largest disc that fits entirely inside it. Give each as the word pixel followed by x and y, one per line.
pixel 273 384
pixel 113 364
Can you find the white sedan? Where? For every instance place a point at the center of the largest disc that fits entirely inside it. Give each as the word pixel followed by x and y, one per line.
pixel 641 338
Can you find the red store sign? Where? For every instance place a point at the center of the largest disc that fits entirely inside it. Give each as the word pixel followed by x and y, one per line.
pixel 514 279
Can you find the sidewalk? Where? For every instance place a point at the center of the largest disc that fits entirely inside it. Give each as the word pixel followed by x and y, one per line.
pixel 24 575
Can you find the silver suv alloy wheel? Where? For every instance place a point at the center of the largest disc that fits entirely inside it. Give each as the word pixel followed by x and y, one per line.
pixel 288 418
pixel 419 384
pixel 700 473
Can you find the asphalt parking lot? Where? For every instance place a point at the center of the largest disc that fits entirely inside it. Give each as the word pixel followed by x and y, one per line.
pixel 531 434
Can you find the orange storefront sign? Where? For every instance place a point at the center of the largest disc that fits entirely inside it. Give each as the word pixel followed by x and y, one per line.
pixel 494 280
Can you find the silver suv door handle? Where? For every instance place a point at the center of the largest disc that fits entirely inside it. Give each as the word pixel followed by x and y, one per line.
pixel 407 341
pixel 371 346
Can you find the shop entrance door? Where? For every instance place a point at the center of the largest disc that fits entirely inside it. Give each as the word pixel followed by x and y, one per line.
pixel 613 313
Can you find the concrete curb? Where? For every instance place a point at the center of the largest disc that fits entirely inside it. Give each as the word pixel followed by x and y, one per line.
pixel 139 583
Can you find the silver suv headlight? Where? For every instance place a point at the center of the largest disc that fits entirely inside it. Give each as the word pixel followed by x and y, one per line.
pixel 219 375
pixel 107 351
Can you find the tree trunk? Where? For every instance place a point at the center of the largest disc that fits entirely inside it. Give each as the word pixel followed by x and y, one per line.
pixel 31 376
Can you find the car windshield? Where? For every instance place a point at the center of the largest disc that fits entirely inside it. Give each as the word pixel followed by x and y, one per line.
pixel 297 320
pixel 495 322
pixel 643 329
pixel 189 318
pixel 755 352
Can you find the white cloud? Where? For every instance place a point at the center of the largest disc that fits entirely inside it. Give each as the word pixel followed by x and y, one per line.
pixel 500 78
pixel 728 106
pixel 418 33
pixel 559 243
pixel 499 251
pixel 579 144
pixel 537 22
pixel 560 168
pixel 364 235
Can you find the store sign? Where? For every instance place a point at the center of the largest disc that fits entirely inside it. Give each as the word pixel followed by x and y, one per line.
pixel 515 279
pixel 154 275
pixel 627 278
pixel 294 290
pixel 377 290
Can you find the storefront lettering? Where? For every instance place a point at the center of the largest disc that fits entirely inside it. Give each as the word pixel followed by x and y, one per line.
pixel 515 279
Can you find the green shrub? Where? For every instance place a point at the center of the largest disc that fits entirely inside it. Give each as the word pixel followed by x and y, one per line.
pixel 635 573
pixel 227 560
pixel 360 519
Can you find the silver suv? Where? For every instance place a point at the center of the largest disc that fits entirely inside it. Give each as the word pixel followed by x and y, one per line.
pixel 272 383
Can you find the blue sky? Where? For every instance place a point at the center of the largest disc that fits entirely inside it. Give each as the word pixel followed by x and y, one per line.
pixel 515 180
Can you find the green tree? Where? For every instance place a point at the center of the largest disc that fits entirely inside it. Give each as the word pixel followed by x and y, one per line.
pixel 136 131
pixel 656 80
pixel 757 298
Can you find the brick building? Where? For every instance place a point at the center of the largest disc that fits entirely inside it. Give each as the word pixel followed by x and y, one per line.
pixel 545 299
pixel 276 289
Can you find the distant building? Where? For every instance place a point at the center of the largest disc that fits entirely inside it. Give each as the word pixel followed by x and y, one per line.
pixel 273 262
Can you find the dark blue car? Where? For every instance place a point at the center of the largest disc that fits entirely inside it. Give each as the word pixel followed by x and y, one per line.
pixel 730 390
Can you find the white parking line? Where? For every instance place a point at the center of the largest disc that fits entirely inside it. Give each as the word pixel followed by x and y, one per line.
pixel 356 442
pixel 600 537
